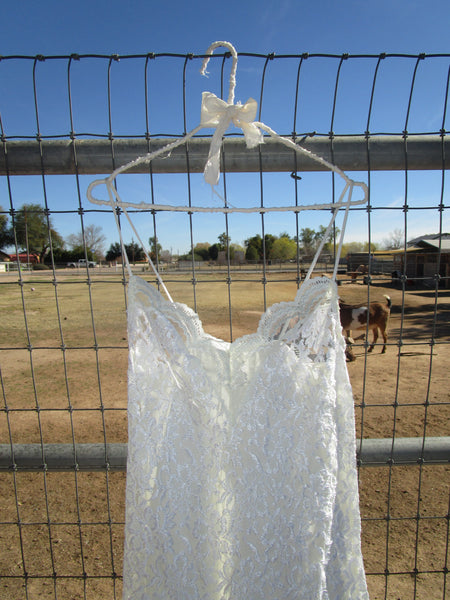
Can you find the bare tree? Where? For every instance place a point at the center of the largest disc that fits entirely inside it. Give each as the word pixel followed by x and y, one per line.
pixel 93 239
pixel 395 240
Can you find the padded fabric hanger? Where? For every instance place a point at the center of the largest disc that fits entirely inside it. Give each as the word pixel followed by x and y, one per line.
pixel 218 114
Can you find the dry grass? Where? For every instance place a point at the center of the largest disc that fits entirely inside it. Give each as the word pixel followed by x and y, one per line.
pixel 79 361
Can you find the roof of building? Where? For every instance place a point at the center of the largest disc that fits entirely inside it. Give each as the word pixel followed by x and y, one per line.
pixel 428 238
pixel 444 244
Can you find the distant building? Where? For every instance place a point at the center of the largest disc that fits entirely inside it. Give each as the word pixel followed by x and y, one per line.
pixel 380 261
pixel 424 258
pixel 419 262
pixel 25 258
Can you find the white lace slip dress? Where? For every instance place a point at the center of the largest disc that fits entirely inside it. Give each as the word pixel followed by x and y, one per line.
pixel 241 477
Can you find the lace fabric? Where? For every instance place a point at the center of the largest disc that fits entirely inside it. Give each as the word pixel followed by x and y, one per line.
pixel 241 480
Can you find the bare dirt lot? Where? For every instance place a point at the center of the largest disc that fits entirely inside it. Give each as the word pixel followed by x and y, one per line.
pixel 63 377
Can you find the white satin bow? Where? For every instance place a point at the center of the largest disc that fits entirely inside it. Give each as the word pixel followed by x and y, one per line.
pixel 219 114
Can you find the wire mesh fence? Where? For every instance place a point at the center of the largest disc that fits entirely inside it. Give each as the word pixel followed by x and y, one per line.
pixel 63 347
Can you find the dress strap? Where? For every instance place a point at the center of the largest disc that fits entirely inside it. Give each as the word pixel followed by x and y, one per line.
pixel 113 194
pixel 348 189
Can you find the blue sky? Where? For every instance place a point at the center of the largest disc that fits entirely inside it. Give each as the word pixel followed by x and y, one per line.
pixel 283 27
pixel 52 27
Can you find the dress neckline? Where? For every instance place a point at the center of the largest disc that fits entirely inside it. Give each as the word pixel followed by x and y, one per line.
pixel 163 305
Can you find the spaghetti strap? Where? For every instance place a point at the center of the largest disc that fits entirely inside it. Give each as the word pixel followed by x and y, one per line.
pixel 349 191
pixel 113 194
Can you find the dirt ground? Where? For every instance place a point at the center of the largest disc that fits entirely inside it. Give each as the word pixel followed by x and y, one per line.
pixel 72 385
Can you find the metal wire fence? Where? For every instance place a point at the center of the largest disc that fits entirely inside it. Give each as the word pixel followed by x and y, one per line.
pixel 63 348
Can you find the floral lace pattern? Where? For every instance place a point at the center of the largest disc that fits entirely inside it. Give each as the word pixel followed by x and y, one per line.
pixel 241 480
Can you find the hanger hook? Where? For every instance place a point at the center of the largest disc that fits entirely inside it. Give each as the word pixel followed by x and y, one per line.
pixel 233 52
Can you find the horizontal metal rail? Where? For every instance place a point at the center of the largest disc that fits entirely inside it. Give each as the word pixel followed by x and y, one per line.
pixel 350 153
pixel 63 457
pixel 113 457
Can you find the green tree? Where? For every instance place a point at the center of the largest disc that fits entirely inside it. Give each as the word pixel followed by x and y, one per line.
pixel 255 243
pixel 62 256
pixel 373 247
pixel 308 240
pixel 34 231
pixel 329 242
pixel 263 248
pixel 224 241
pixel 284 249
pixel 350 247
pixel 6 234
pixel 155 248
pixel 80 252
pixel 319 235
pixel 188 256
pixel 251 253
pixel 115 250
pixel 269 240
pixel 202 249
pixel 213 251
pixel 135 252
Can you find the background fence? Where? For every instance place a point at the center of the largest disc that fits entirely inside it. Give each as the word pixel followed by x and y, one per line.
pixel 63 352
